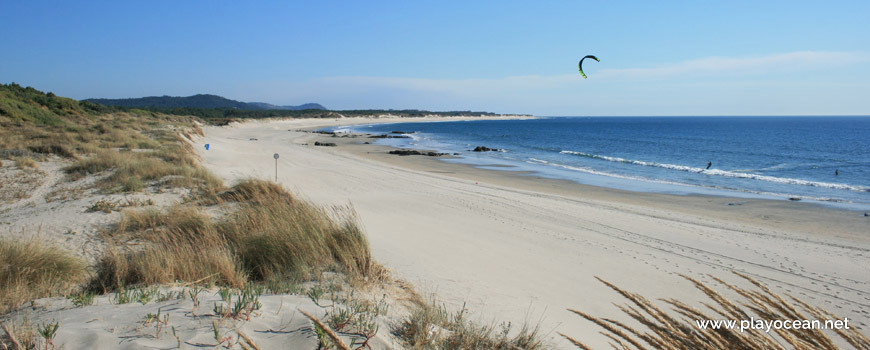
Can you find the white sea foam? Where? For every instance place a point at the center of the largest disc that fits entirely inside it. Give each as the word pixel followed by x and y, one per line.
pixel 601 173
pixel 726 173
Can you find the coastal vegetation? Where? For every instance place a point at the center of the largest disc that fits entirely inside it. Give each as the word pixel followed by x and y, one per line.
pixel 30 270
pixel 433 326
pixel 268 234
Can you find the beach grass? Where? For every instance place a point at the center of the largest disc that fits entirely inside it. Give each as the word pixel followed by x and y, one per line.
pixel 267 234
pixel 135 148
pixel 32 269
pixel 431 325
pixel 25 163
pixel 676 328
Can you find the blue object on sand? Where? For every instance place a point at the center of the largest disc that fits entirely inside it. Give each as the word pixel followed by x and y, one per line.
pixel 206 147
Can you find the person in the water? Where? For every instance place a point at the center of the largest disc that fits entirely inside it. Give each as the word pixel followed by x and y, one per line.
pixel 836 172
pixel 709 164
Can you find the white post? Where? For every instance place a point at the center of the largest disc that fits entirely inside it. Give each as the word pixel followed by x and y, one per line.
pixel 276 167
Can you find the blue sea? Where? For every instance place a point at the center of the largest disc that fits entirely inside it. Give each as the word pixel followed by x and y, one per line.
pixel 819 159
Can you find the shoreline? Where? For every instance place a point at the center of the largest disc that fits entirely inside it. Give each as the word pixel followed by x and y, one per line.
pixel 514 247
pixel 803 215
pixel 615 181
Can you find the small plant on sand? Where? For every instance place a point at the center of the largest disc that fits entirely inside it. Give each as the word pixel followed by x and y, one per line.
pixel 145 295
pixel 326 336
pixel 21 334
pixel 356 317
pixel 315 293
pixel 177 338
pixel 220 339
pixel 103 205
pixel 123 296
pixel 48 331
pixel 193 293
pixel 160 321
pixel 169 295
pixel 82 298
pixel 239 304
pixel 276 285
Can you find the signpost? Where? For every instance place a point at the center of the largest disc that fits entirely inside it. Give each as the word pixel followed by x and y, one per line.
pixel 276 167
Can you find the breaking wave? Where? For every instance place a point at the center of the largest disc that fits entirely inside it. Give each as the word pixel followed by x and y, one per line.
pixel 724 173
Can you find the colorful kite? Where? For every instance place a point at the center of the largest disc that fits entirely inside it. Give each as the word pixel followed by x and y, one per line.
pixel 580 65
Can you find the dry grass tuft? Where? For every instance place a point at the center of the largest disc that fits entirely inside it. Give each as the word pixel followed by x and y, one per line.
pixel 256 191
pixel 259 240
pixel 432 326
pixel 25 163
pixel 32 270
pixel 676 328
pixel 165 261
pixel 179 217
pixel 53 148
pixel 134 171
pixel 274 233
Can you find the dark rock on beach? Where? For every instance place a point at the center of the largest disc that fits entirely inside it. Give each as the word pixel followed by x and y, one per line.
pixel 388 137
pixel 411 152
pixel 318 143
pixel 486 149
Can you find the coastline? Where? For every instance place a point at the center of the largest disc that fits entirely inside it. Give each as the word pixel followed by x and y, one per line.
pixel 514 246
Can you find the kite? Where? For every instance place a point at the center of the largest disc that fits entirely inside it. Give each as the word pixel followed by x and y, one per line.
pixel 580 65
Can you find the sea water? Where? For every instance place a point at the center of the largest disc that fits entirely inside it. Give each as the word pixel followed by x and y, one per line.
pixel 821 159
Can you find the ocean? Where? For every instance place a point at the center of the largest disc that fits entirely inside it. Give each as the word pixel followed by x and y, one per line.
pixel 819 159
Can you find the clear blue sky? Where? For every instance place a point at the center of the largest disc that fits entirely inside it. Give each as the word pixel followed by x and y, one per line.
pixel 657 57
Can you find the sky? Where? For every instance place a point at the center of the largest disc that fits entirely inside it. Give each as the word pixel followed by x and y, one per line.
pixel 657 57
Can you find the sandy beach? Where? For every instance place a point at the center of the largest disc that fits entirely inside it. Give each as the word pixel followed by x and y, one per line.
pixel 515 247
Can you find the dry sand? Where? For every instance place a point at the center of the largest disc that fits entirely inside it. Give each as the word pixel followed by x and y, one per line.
pixel 514 247
pixel 43 204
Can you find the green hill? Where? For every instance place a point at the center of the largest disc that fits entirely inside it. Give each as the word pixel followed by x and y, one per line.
pixel 196 101
pixel 26 104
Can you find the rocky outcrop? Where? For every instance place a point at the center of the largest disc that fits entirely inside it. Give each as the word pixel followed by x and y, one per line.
pixel 388 137
pixel 486 149
pixel 411 152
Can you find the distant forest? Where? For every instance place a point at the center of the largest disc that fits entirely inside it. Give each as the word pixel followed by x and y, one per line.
pixel 21 104
pixel 222 110
pixel 195 101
